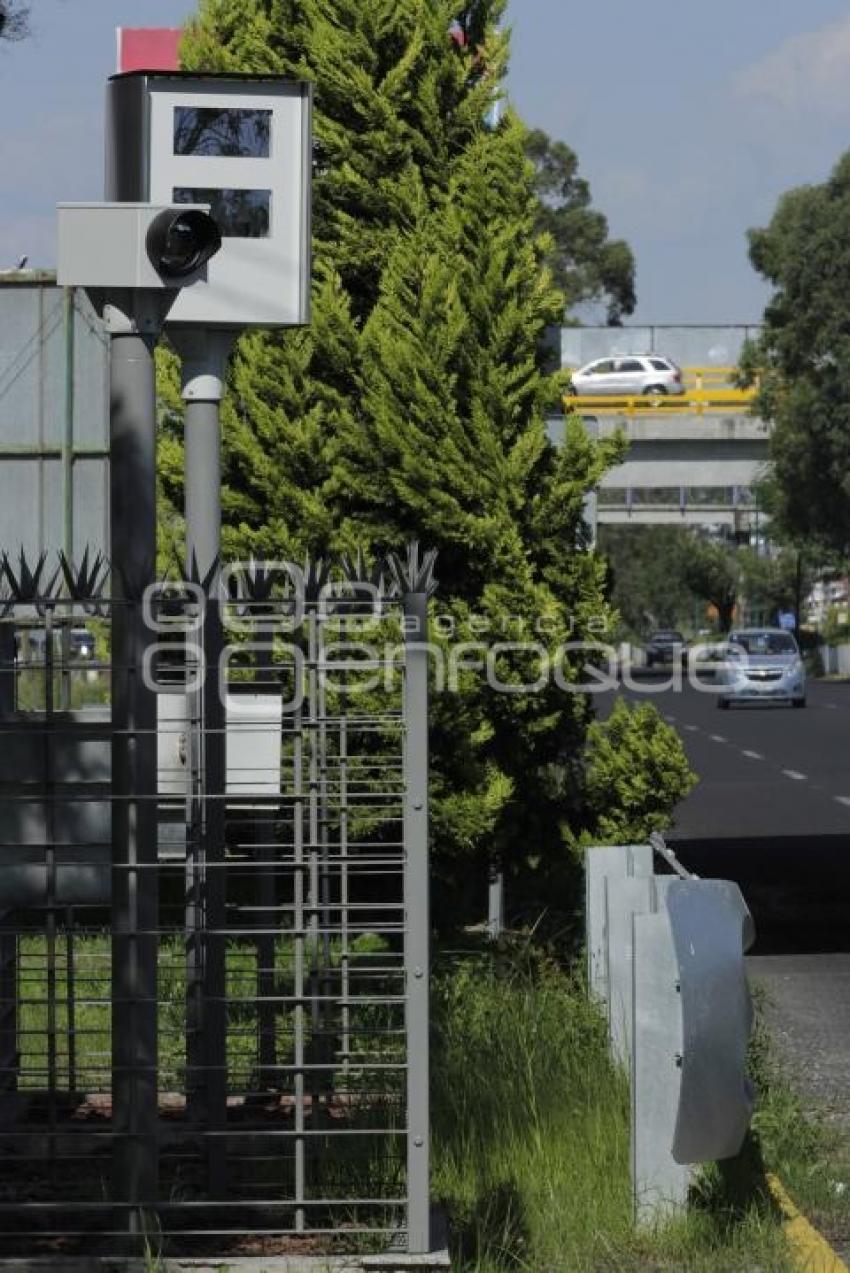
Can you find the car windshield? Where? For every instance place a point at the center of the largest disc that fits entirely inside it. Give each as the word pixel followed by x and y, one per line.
pixel 764 642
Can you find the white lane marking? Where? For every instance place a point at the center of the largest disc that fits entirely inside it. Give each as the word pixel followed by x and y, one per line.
pixel 753 755
pixel 692 729
pixel 718 738
pixel 670 719
pixel 792 773
pixel 831 707
pixel 843 799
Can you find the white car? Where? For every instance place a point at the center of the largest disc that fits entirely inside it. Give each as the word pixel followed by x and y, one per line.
pixel 762 665
pixel 628 375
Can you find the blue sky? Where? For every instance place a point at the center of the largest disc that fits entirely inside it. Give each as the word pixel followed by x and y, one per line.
pixel 689 121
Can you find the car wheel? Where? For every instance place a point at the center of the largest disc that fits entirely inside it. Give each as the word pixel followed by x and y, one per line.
pixel 798 702
pixel 723 704
pixel 655 389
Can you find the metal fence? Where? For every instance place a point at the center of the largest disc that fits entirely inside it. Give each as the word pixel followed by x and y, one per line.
pixel 213 914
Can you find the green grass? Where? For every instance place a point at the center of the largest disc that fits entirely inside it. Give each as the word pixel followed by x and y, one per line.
pixel 530 1117
pixel 92 964
pixel 531 1138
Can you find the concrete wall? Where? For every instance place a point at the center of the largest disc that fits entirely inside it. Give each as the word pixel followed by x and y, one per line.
pixel 713 346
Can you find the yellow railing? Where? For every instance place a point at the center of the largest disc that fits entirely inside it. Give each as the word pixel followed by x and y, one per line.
pixel 708 390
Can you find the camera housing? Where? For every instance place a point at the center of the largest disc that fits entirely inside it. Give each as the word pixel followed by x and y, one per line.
pixel 139 245
pixel 241 144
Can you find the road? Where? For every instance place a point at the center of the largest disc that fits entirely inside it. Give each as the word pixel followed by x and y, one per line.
pixel 772 810
pixel 765 771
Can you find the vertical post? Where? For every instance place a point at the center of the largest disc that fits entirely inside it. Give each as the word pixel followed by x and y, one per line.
pixel 8 937
pixel 7 673
pixel 495 899
pixel 798 594
pixel 133 324
pixel 264 889
pixel 68 321
pixel 204 356
pixel 299 921
pixel 417 912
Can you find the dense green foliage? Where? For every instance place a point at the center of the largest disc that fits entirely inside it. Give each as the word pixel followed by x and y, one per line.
pixel 586 265
pixel 804 354
pixel 647 567
pixel 666 576
pixel 413 406
pixel 636 773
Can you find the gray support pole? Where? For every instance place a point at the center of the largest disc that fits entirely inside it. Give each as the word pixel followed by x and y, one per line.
pixel 495 899
pixel 418 924
pixel 69 318
pixel 133 326
pixel 204 355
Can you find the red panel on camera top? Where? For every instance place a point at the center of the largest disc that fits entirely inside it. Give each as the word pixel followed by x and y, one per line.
pixel 148 48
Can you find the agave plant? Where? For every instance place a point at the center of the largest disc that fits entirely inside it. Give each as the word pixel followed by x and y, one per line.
pixel 84 584
pixel 30 585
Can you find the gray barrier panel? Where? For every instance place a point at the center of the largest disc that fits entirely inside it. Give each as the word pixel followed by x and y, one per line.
pixel 627 897
pixel 711 928
pixel 659 1182
pixel 600 863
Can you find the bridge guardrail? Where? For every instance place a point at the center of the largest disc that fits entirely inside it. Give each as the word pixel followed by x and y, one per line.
pixel 708 390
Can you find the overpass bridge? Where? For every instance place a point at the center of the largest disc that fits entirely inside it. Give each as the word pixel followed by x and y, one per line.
pixel 693 459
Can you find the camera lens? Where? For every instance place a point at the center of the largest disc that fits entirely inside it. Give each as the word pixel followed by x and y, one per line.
pixel 180 243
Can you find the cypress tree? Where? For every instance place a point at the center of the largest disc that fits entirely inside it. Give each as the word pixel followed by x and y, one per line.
pixel 414 404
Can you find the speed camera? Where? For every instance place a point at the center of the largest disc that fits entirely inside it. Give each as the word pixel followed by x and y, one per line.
pixel 240 144
pixel 136 245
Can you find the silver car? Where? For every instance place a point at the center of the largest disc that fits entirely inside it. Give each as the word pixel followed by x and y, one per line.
pixel 628 375
pixel 762 665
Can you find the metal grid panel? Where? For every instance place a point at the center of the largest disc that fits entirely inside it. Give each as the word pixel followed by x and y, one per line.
pixel 53 417
pixel 206 1046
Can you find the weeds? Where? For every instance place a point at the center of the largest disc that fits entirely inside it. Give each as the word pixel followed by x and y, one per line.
pixel 531 1137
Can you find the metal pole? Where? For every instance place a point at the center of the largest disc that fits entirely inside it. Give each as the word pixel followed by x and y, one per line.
pixel 417 911
pixel 133 322
pixel 204 356
pixel 495 899
pixel 69 314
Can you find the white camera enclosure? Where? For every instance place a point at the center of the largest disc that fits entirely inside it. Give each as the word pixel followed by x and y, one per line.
pixel 241 144
pixel 104 245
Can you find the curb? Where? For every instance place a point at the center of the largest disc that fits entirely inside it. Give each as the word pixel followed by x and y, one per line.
pixel 810 1249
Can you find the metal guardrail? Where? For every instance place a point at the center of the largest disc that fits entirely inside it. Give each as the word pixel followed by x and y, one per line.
pixel 665 963
pixel 708 391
